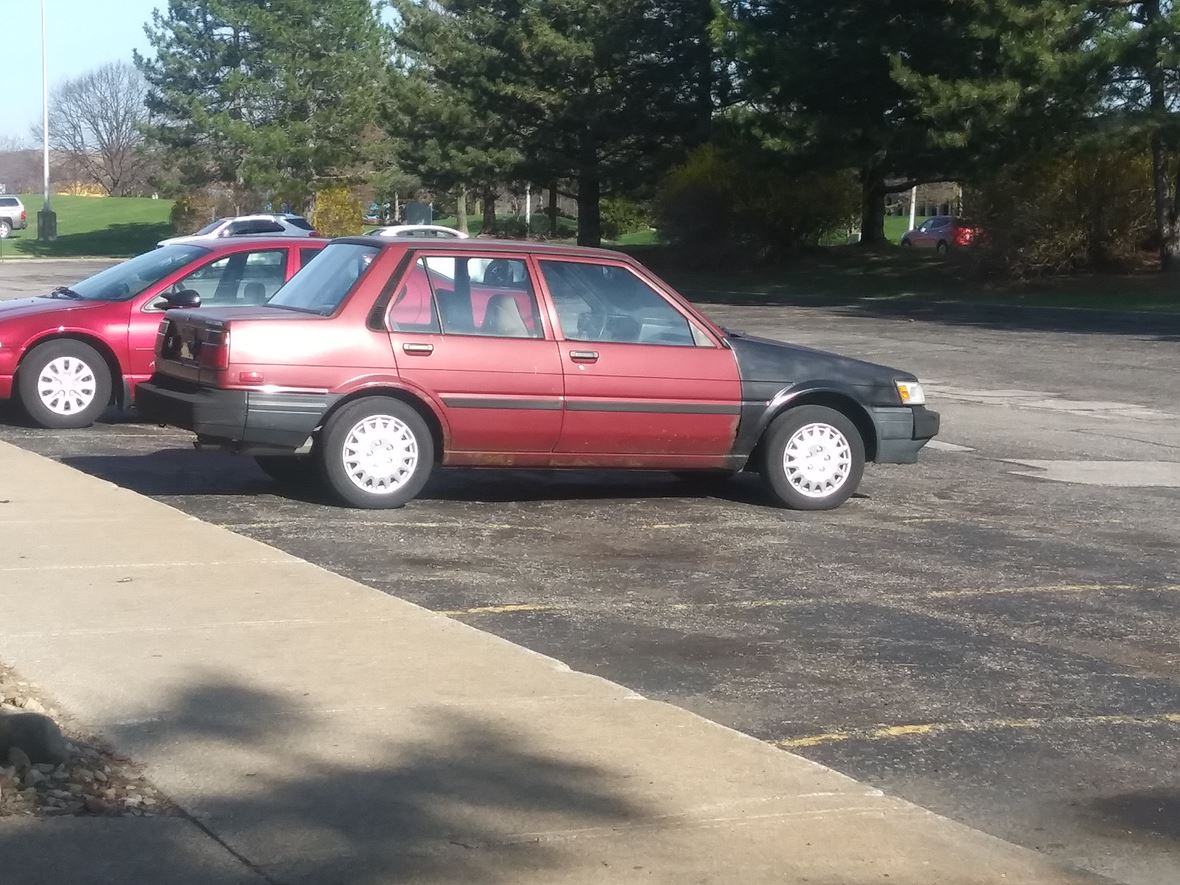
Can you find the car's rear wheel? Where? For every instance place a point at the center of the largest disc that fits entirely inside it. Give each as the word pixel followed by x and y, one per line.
pixel 377 453
pixel 813 458
pixel 289 469
pixel 942 248
pixel 64 384
pixel 5 230
pixel 907 244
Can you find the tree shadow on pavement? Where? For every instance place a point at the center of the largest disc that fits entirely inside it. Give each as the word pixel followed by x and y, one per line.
pixel 304 794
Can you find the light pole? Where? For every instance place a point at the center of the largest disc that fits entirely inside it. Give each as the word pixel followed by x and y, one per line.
pixel 46 218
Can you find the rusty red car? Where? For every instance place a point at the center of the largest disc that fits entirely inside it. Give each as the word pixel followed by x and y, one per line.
pixel 385 358
pixel 69 354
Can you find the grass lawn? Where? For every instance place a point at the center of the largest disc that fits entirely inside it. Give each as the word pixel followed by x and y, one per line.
pixel 116 227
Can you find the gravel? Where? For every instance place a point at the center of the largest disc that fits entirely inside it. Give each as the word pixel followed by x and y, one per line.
pixel 93 780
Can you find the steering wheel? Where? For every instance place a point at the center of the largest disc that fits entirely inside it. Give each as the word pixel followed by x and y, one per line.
pixel 591 326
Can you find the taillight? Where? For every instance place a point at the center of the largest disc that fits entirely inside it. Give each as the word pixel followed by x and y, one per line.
pixel 214 352
pixel 161 336
pixel 963 236
pixel 24 215
pixel 314 233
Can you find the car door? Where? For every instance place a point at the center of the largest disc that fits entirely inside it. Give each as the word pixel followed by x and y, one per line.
pixel 641 376
pixel 244 277
pixel 479 344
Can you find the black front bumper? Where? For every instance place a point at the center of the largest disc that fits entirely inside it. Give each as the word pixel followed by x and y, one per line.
pixel 902 432
pixel 245 417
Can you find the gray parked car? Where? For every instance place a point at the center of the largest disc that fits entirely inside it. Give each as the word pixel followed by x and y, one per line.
pixel 12 215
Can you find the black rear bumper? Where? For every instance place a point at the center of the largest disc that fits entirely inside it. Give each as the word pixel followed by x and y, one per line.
pixel 282 420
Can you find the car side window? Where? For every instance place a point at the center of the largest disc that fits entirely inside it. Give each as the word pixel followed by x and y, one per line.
pixel 489 296
pixel 257 226
pixel 609 304
pixel 306 255
pixel 413 309
pixel 241 278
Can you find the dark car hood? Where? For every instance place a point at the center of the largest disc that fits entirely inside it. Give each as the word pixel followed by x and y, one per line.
pixel 23 308
pixel 768 366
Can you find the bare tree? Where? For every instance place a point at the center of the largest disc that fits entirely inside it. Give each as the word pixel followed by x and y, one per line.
pixel 97 121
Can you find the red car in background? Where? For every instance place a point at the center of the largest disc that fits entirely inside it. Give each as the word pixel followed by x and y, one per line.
pixel 67 355
pixel 942 233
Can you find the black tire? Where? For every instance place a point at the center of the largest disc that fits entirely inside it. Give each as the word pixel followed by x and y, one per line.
pixel 786 488
pixel 942 249
pixel 88 371
pixel 332 455
pixel 289 470
pixel 5 229
pixel 907 244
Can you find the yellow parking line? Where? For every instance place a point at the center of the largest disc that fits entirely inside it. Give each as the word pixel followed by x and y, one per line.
pixel 499 609
pixel 1036 588
pixel 886 732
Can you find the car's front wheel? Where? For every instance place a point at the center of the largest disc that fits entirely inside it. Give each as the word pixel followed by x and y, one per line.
pixel 64 384
pixel 813 458
pixel 377 453
pixel 908 244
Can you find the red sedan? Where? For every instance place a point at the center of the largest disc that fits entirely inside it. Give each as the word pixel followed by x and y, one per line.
pixel 388 357
pixel 67 355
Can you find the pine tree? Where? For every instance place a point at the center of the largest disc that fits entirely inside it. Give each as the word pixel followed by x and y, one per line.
pixel 603 92
pixel 822 74
pixel 274 95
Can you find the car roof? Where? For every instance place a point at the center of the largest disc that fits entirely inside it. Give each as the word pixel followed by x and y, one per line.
pixel 250 239
pixel 449 245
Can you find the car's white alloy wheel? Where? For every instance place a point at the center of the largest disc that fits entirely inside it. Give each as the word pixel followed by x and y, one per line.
pixel 817 460
pixel 5 230
pixel 67 385
pixel 380 454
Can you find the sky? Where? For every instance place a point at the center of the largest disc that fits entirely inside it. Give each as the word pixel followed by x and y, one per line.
pixel 81 34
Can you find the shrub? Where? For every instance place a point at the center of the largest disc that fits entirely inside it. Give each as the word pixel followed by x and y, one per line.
pixel 622 216
pixel 722 198
pixel 337 212
pixel 191 212
pixel 1090 207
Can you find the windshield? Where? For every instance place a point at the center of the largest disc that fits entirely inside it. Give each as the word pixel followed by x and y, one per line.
pixel 321 286
pixel 125 281
pixel 209 228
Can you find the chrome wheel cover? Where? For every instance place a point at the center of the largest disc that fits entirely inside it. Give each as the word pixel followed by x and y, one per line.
pixel 380 454
pixel 817 460
pixel 67 386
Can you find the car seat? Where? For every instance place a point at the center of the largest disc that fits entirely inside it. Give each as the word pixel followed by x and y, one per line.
pixel 503 318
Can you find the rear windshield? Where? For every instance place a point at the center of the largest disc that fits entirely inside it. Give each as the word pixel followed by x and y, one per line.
pixel 125 281
pixel 322 285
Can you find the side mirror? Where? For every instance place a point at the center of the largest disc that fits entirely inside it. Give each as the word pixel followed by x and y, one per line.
pixel 185 298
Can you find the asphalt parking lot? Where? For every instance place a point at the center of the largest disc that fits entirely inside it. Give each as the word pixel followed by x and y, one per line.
pixel 991 634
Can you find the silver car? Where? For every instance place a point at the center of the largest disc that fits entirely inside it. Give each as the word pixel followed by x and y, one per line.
pixel 281 225
pixel 12 215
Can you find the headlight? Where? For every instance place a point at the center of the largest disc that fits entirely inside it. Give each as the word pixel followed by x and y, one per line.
pixel 911 393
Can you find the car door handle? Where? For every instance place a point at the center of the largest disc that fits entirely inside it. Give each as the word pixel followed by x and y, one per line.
pixel 584 356
pixel 418 349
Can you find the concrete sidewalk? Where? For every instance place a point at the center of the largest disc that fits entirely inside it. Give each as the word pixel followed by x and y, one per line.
pixel 319 731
